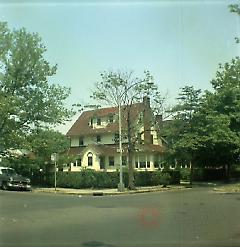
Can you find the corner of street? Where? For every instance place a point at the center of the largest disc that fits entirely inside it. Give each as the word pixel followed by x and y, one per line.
pixel 114 191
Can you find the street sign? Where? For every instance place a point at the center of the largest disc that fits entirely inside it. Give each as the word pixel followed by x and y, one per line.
pixel 54 157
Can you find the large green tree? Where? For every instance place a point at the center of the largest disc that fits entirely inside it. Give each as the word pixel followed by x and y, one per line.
pixel 235 8
pixel 27 99
pixel 42 143
pixel 182 138
pixel 218 118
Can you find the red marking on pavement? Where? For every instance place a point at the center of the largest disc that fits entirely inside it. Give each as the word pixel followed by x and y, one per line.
pixel 149 217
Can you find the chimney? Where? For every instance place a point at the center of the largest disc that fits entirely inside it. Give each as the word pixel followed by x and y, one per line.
pixel 146 101
pixel 159 119
pixel 147 119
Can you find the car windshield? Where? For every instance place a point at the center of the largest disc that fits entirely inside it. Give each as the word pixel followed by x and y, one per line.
pixel 9 171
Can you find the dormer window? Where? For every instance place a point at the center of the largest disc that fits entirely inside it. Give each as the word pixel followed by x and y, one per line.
pixel 98 121
pixel 98 138
pixel 116 138
pixel 91 122
pixel 110 118
pixel 81 142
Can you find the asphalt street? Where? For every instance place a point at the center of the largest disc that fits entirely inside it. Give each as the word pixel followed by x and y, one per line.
pixel 197 217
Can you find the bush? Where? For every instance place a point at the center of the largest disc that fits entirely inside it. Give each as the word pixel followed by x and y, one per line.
pixel 208 174
pixel 94 179
pixel 175 176
pixel 143 178
pixel 235 172
pixel 156 178
pixel 185 174
pixel 198 174
pixel 165 179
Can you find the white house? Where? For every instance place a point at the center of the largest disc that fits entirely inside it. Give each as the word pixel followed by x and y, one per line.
pixel 94 139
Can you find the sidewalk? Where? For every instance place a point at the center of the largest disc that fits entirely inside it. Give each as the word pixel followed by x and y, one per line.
pixel 228 188
pixel 101 192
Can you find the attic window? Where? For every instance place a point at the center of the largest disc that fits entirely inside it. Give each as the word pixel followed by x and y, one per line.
pixel 81 142
pixel 98 138
pixel 110 118
pixel 116 137
pixel 98 121
pixel 91 122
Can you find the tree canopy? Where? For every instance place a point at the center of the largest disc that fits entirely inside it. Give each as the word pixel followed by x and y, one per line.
pixel 27 100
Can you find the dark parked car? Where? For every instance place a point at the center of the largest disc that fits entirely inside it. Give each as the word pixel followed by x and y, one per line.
pixel 9 179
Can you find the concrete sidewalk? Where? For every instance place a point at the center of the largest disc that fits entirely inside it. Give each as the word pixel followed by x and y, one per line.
pixel 228 188
pixel 101 192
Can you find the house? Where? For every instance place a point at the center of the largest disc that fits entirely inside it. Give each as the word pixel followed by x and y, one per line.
pixel 94 139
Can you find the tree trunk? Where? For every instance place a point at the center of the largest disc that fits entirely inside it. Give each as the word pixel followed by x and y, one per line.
pixel 131 185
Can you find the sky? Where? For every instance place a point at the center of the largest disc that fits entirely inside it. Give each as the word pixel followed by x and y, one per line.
pixel 179 42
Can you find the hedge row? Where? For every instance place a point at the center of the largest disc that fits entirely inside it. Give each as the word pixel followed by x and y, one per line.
pixel 94 179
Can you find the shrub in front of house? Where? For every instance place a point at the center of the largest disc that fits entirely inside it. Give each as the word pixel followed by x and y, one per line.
pixel 156 178
pixel 174 176
pixel 93 179
pixel 235 172
pixel 146 178
pixel 106 180
pixel 165 179
pixel 185 174
pixel 143 178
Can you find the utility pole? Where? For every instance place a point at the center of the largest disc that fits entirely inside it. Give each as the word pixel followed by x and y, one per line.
pixel 54 159
pixel 121 184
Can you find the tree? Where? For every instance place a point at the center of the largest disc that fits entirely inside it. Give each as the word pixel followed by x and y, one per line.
pixel 219 118
pixel 27 100
pixel 123 89
pixel 206 130
pixel 182 138
pixel 235 8
pixel 44 142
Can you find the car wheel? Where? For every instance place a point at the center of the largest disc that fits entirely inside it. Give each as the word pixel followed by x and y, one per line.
pixel 4 186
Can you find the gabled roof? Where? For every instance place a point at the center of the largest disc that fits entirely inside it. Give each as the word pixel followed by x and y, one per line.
pixel 82 128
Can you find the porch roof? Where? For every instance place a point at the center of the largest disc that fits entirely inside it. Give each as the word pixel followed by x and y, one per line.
pixel 110 150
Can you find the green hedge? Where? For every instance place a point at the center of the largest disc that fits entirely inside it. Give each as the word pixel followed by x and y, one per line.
pixel 94 179
pixel 208 174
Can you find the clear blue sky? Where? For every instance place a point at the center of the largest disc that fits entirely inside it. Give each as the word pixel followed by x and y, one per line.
pixel 179 42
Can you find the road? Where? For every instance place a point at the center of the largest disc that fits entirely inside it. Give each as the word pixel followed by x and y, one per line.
pixel 197 217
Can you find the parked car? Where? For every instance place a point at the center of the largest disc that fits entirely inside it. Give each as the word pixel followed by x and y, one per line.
pixel 9 179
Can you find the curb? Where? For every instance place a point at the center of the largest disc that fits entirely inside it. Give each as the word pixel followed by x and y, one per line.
pixel 106 193
pixel 225 191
